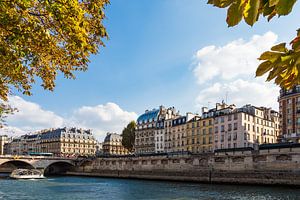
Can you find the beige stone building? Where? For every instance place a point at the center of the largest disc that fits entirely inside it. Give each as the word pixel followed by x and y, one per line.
pixel 245 126
pixel 163 124
pixel 112 145
pixel 177 134
pixel 59 142
pixel 200 134
pixel 150 134
pixel 3 141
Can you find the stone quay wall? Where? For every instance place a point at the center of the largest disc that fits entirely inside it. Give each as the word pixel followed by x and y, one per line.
pixel 279 166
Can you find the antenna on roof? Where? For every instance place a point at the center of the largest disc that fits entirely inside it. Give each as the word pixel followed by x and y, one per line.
pixel 226 97
pixel 208 104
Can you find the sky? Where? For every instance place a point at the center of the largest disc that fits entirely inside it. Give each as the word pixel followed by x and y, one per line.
pixel 160 52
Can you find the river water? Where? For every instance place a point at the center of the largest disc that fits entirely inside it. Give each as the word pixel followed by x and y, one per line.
pixel 74 188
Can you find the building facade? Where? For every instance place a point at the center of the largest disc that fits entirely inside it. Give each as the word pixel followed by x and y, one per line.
pixel 161 133
pixel 289 109
pixel 59 142
pixel 112 145
pixel 3 141
pixel 150 133
pixel 245 127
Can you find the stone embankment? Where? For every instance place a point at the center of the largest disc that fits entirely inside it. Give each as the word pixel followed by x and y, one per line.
pixel 277 166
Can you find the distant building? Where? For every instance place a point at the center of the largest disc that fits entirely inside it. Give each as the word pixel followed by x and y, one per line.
pixel 160 132
pixel 112 145
pixel 3 141
pixel 99 148
pixel 200 134
pixel 245 126
pixel 60 142
pixel 289 109
pixel 150 133
pixel 68 142
pixel 145 132
pixel 178 137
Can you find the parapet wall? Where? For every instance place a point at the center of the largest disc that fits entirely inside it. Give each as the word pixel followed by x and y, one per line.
pixel 276 166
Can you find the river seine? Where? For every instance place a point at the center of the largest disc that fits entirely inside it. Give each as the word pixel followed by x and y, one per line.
pixel 73 188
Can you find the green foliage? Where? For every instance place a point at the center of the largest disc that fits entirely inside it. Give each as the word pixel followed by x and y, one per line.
pixel 40 38
pixel 281 64
pixel 128 136
pixel 250 10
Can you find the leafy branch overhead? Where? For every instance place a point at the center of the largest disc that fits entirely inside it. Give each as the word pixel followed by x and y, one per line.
pixel 5 110
pixel 250 10
pixel 283 64
pixel 40 38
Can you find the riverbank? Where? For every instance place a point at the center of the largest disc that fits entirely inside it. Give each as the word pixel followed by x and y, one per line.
pixel 264 167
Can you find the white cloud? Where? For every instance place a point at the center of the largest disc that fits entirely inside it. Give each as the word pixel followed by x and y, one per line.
pixel 11 131
pixel 103 118
pixel 231 69
pixel 233 60
pixel 240 92
pixel 32 117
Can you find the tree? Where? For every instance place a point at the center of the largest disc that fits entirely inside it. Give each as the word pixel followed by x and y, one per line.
pixel 128 136
pixel 5 110
pixel 282 63
pixel 41 38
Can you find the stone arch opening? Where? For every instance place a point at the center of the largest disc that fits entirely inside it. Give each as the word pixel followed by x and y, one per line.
pixel 11 165
pixel 58 168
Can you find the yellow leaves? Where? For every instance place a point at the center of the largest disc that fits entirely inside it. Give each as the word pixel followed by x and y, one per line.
pixel 250 10
pixel 38 39
pixel 282 64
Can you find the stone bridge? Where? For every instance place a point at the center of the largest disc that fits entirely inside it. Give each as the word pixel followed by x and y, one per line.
pixel 51 165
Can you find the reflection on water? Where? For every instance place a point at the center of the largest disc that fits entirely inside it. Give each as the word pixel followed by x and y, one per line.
pixel 74 188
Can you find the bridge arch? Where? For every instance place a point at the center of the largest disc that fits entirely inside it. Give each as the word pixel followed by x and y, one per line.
pixel 10 165
pixel 58 167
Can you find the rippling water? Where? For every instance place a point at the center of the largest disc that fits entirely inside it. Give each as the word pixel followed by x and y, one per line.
pixel 74 188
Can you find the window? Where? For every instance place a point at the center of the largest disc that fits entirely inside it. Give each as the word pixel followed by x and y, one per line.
pixel 229 117
pixel 210 130
pixel 222 138
pixel 235 126
pixel 204 131
pixel 222 119
pixel 235 116
pixel 204 123
pixel 235 136
pixel 216 129
pixel 222 128
pixel 210 140
pixel 229 127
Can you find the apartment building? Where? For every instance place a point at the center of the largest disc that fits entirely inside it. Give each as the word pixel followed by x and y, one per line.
pixel 289 109
pixel 59 142
pixel 245 126
pixel 161 127
pixel 145 132
pixel 112 145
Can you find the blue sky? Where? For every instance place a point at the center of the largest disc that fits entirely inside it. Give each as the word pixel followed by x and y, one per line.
pixel 151 57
